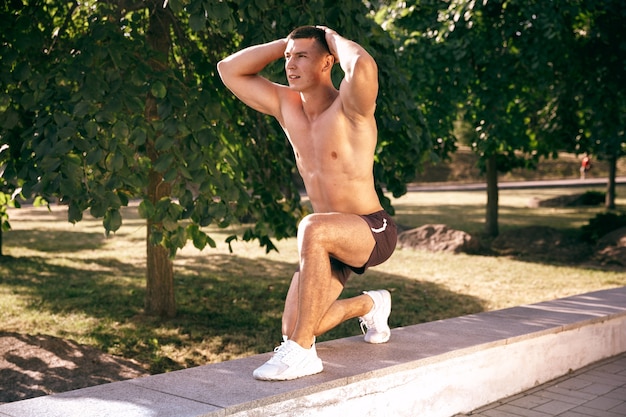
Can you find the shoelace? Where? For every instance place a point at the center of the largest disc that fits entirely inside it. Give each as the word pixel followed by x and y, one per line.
pixel 365 324
pixel 279 349
pixel 283 353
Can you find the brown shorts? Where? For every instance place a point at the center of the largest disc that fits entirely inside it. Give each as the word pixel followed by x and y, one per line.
pixel 386 236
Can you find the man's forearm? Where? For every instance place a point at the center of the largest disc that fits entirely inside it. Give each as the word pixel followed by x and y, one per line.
pixel 252 60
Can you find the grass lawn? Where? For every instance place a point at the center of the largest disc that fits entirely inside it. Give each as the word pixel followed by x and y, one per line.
pixel 70 281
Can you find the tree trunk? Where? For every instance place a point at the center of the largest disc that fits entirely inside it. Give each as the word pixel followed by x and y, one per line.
pixel 160 298
pixel 610 189
pixel 491 221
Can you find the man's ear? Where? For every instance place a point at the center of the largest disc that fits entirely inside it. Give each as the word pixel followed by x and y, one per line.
pixel 329 61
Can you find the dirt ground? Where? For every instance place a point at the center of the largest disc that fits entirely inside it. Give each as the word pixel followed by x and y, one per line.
pixel 32 366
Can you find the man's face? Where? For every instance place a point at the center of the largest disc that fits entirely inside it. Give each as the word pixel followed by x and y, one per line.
pixel 304 63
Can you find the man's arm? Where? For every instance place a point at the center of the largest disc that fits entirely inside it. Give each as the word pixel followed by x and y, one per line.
pixel 239 72
pixel 359 87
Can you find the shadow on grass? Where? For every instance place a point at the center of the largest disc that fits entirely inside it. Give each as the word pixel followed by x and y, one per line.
pixel 97 287
pixel 256 288
pixel 54 241
pixel 228 306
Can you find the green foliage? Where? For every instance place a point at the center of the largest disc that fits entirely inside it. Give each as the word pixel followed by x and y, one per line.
pixel 4 202
pixel 600 91
pixel 428 67
pixel 530 77
pixel 96 97
pixel 602 224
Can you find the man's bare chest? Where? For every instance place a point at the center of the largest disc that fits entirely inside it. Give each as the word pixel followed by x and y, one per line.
pixel 324 139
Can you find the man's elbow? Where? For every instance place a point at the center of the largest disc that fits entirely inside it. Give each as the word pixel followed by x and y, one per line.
pixel 222 68
pixel 366 65
pixel 369 63
pixel 227 72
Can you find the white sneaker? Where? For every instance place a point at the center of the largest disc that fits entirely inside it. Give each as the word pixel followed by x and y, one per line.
pixel 290 361
pixel 285 338
pixel 375 321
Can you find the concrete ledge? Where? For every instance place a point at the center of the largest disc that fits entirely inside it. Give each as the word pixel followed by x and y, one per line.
pixel 433 369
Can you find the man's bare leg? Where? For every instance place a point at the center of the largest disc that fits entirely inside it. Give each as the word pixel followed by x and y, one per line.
pixel 319 237
pixel 312 306
pixel 339 311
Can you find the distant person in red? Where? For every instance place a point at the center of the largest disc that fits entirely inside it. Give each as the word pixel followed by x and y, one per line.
pixel 585 166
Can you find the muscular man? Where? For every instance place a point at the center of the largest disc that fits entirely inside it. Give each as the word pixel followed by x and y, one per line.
pixel 333 134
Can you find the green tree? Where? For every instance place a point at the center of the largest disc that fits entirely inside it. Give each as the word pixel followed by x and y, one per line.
pixel 508 46
pixel 599 70
pixel 510 69
pixel 107 101
pixel 587 105
pixel 430 65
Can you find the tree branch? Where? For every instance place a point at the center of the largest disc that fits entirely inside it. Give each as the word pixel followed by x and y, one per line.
pixel 68 18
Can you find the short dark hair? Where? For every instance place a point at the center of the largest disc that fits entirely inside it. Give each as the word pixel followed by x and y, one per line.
pixel 311 32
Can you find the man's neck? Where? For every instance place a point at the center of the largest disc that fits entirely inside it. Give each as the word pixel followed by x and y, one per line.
pixel 317 102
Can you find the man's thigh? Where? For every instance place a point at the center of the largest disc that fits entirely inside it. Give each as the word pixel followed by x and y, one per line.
pixel 346 237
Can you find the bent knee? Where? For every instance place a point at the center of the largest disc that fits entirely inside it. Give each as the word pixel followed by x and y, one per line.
pixel 313 228
pixel 310 224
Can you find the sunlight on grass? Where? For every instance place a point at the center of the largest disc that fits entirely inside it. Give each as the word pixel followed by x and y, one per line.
pixel 70 281
pixel 466 210
pixel 497 281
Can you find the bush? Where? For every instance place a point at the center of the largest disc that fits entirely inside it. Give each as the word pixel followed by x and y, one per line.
pixel 592 198
pixel 602 224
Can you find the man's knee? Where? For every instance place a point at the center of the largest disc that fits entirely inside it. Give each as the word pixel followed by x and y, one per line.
pixel 312 228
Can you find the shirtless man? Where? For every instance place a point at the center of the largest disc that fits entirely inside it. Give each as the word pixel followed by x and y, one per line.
pixel 333 134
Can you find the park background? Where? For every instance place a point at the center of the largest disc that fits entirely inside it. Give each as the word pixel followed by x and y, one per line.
pixel 113 113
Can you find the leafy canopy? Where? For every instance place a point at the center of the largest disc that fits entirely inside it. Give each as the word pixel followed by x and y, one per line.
pixel 76 84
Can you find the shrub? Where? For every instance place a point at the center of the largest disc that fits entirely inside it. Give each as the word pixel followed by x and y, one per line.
pixel 592 198
pixel 602 224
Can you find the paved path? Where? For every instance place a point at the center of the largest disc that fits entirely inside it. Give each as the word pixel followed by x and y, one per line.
pixel 598 390
pixel 508 185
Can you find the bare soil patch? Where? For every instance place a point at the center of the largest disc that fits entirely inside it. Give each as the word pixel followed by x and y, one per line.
pixel 32 366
